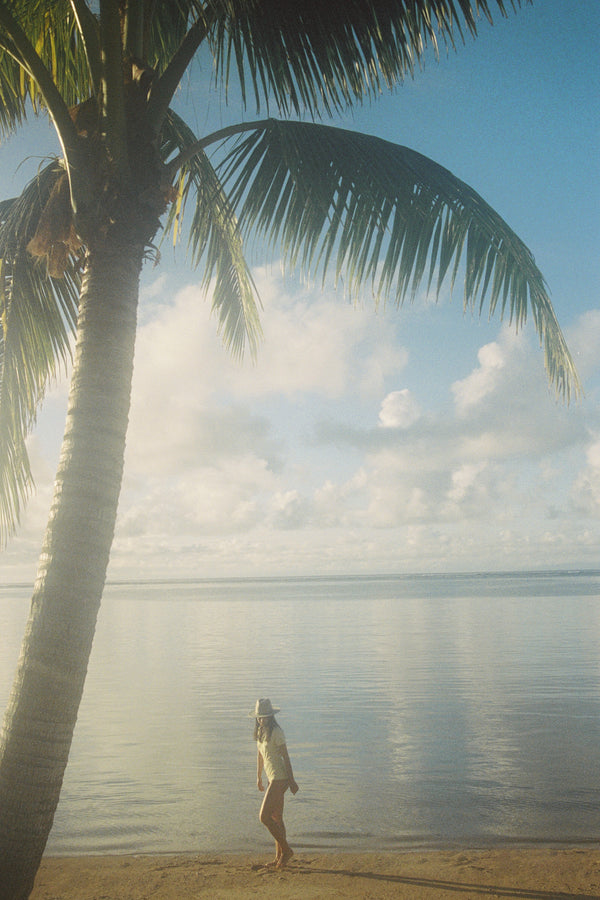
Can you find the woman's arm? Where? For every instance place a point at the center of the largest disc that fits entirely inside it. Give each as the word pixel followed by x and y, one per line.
pixel 288 768
pixel 259 770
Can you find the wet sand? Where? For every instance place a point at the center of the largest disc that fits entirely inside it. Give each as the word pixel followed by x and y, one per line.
pixel 539 873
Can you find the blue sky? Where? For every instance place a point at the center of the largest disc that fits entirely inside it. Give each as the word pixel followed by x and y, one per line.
pixel 418 439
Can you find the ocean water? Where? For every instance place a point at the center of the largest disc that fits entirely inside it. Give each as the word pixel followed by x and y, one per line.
pixel 419 711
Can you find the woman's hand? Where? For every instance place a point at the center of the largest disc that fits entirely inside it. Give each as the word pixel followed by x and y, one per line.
pixel 293 786
pixel 259 783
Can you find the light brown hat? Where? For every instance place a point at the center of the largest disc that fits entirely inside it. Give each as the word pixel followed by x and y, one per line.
pixel 263 709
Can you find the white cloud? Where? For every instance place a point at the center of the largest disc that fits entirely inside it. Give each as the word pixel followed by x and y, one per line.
pixel 583 339
pixel 586 488
pixel 154 289
pixel 464 481
pixel 288 510
pixel 473 390
pixel 399 409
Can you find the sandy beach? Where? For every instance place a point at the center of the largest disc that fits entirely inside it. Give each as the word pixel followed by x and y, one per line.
pixel 527 874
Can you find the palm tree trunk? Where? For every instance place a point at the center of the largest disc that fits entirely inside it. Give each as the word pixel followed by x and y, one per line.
pixel 42 711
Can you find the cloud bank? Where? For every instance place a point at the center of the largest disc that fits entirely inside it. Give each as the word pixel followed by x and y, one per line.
pixel 330 455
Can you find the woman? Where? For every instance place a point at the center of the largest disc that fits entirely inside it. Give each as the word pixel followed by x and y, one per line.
pixel 273 759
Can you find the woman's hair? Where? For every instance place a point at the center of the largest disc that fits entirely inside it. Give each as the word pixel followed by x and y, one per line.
pixel 263 732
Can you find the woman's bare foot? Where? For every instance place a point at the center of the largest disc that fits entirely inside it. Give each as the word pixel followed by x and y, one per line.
pixel 285 858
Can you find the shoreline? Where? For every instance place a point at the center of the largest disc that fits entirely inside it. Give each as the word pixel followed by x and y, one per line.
pixel 558 872
pixel 303 849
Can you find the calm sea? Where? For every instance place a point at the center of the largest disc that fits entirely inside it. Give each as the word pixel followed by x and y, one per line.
pixel 418 711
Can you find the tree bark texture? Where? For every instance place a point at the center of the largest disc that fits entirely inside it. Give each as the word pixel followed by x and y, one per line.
pixel 42 710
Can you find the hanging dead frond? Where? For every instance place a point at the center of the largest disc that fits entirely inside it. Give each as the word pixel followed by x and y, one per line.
pixel 55 238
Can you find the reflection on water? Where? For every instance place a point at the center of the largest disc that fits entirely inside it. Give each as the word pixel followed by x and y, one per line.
pixel 418 711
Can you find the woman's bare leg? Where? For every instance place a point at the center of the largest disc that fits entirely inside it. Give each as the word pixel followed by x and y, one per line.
pixel 271 816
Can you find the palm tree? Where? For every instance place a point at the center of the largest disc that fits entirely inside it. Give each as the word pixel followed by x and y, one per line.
pixel 73 244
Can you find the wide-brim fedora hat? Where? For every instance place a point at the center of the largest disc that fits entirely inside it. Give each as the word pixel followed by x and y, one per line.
pixel 263 708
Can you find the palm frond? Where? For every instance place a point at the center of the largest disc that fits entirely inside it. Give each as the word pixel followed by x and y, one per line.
pixel 166 25
pixel 13 101
pixel 214 240
pixel 380 214
pixel 14 87
pixel 37 316
pixel 66 56
pixel 310 55
pixel 53 31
